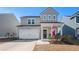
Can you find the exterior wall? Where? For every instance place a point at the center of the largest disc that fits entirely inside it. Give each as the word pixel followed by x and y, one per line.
pixel 8 23
pixel 24 20
pixel 51 12
pixel 66 30
pixel 70 26
pixel 28 27
pixel 48 27
pixel 77 26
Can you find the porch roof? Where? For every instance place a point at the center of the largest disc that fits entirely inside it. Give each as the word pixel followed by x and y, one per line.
pixel 27 25
pixel 51 22
pixel 57 24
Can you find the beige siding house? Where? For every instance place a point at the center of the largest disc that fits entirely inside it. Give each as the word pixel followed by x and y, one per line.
pixel 8 23
pixel 39 27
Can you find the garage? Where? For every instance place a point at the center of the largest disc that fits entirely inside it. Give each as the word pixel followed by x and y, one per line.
pixel 29 33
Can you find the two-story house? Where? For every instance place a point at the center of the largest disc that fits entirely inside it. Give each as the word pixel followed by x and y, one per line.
pixel 39 27
pixel 71 25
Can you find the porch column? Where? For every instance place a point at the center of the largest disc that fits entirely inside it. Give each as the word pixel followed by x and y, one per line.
pixel 41 32
pixel 51 30
pixel 56 30
pixel 61 27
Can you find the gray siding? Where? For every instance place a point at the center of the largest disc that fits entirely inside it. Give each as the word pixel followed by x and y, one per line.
pixel 70 26
pixel 66 30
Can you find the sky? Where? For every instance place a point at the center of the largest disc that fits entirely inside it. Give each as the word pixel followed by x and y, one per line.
pixel 35 11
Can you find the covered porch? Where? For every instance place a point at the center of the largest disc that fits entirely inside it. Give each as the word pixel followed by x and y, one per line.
pixel 47 27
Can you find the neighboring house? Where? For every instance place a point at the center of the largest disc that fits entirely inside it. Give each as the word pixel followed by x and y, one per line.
pixel 8 23
pixel 39 27
pixel 71 25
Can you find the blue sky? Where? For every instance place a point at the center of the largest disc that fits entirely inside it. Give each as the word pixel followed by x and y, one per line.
pixel 35 11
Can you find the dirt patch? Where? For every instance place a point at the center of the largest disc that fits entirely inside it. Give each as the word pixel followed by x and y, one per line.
pixel 56 47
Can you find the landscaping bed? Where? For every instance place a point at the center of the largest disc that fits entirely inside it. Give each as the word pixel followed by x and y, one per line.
pixel 56 47
pixel 5 40
pixel 59 43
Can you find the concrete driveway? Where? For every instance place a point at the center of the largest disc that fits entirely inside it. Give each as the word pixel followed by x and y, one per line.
pixel 18 45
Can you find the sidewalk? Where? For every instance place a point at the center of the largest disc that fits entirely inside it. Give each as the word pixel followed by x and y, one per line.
pixel 41 42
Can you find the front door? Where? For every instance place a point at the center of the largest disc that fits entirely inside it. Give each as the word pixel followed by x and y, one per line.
pixel 44 34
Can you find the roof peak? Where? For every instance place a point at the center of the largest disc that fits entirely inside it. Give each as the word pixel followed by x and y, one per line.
pixel 76 13
pixel 48 8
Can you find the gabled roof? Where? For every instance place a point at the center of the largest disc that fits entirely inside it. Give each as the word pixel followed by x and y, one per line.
pixel 51 22
pixel 29 16
pixel 49 8
pixel 27 25
pixel 75 14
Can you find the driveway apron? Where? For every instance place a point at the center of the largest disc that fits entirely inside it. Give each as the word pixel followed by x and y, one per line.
pixel 18 46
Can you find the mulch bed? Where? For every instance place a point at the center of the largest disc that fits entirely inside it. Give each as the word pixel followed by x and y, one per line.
pixel 5 40
pixel 56 47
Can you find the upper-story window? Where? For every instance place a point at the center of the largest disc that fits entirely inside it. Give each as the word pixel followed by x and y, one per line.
pixel 49 17
pixel 29 21
pixel 54 17
pixel 45 17
pixel 33 21
pixel 77 19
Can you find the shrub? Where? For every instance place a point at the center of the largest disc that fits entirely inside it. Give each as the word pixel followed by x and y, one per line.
pixel 57 36
pixel 49 37
pixel 66 38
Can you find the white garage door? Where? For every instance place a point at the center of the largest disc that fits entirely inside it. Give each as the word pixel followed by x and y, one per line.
pixel 29 33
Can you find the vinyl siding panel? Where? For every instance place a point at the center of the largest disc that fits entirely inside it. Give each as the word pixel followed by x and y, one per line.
pixel 24 20
pixel 8 23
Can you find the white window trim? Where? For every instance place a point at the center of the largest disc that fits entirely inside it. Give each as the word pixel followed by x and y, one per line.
pixel 28 20
pixel 44 17
pixel 50 17
pixel 54 16
pixel 31 21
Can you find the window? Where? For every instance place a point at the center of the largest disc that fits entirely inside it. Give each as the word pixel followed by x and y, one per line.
pixel 32 21
pixel 29 21
pixel 77 19
pixel 49 17
pixel 44 17
pixel 54 17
